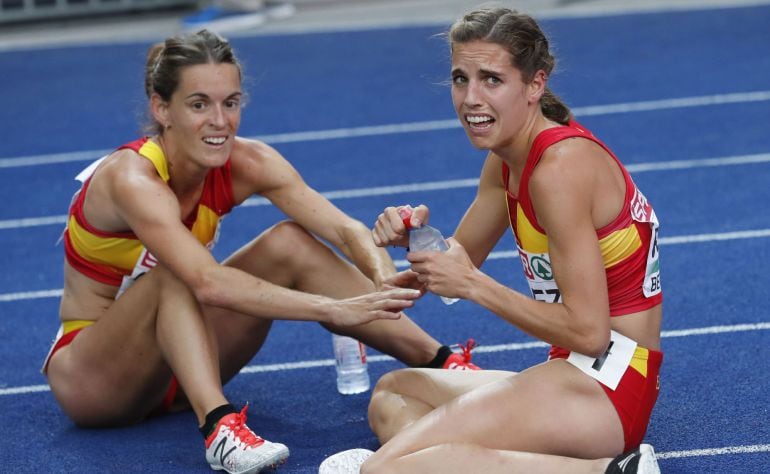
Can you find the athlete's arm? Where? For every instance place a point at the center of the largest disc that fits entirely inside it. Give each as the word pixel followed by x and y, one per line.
pixel 265 171
pixel 149 207
pixel 562 189
pixel 486 219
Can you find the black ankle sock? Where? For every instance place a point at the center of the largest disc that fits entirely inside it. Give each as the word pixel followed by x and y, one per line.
pixel 213 418
pixel 441 357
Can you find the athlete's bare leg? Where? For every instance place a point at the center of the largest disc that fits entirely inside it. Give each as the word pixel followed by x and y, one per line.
pixel 467 458
pixel 118 370
pixel 289 256
pixel 551 409
pixel 402 397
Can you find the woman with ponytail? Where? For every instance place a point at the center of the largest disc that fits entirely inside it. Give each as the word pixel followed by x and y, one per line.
pixel 587 239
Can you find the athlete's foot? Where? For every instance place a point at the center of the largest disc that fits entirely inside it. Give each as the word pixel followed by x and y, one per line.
pixel 639 461
pixel 234 448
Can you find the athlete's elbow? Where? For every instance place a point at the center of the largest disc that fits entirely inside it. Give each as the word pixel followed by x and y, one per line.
pixel 594 343
pixel 208 290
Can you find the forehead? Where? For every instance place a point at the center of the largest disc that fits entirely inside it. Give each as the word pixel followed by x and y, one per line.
pixel 480 54
pixel 209 78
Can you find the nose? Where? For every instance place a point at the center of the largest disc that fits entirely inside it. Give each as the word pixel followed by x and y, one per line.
pixel 218 117
pixel 472 94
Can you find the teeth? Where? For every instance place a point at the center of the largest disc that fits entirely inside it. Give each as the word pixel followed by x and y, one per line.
pixel 215 140
pixel 478 119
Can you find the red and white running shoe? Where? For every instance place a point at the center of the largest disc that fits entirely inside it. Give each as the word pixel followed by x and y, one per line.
pixel 232 447
pixel 462 360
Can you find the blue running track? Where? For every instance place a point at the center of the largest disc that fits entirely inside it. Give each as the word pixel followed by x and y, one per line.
pixel 682 97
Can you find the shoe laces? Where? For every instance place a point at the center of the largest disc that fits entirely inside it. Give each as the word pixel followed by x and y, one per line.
pixel 243 434
pixel 466 349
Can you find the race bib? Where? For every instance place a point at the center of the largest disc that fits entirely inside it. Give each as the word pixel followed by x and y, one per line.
pixel 144 264
pixel 642 211
pixel 609 368
pixel 537 270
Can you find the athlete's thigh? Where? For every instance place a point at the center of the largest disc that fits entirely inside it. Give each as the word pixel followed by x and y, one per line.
pixel 436 387
pixel 115 365
pixel 285 255
pixel 552 408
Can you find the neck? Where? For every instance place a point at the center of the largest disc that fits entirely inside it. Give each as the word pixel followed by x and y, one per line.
pixel 515 152
pixel 184 175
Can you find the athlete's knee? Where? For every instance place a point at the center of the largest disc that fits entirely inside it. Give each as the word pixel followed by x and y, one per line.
pixel 390 410
pixel 288 236
pixel 400 381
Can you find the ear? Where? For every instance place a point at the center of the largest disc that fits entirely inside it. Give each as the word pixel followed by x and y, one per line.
pixel 159 109
pixel 536 87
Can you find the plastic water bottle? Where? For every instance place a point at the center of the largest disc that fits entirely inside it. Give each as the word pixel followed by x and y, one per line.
pixel 352 371
pixel 425 237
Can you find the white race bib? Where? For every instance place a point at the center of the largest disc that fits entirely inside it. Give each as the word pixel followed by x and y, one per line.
pixel 609 368
pixel 642 211
pixel 537 270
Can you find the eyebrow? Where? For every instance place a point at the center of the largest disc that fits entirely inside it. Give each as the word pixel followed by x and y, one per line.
pixel 201 95
pixel 490 72
pixel 484 72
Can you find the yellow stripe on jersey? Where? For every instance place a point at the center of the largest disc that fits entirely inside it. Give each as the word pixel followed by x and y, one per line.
pixel 205 226
pixel 116 252
pixel 618 245
pixel 531 239
pixel 74 324
pixel 153 152
pixel 639 360
pixel 615 247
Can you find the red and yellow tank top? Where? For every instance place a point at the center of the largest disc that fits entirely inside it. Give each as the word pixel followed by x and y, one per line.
pixel 629 244
pixel 112 257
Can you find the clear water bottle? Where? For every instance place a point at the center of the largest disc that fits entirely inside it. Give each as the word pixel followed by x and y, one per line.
pixel 425 237
pixel 352 372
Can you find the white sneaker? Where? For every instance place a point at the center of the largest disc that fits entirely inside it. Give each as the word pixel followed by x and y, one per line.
pixel 345 462
pixel 640 461
pixel 648 464
pixel 234 448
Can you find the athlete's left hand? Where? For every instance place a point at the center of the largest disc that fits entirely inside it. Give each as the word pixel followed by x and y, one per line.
pixel 444 273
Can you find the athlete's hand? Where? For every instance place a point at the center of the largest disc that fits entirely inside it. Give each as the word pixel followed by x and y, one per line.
pixel 444 273
pixel 390 228
pixel 385 304
pixel 404 279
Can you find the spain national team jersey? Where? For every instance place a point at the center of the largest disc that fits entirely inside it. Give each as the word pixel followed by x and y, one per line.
pixel 628 245
pixel 117 258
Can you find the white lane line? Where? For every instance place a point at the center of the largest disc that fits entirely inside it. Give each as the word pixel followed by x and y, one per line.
pixel 682 239
pixel 436 186
pixel 33 222
pixel 425 126
pixel 754 448
pixel 497 255
pixel 518 346
pixel 30 295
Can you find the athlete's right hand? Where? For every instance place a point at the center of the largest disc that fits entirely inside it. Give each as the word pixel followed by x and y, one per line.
pixel 384 304
pixel 390 228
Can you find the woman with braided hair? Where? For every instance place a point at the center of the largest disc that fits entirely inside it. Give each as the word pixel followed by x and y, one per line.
pixel 587 239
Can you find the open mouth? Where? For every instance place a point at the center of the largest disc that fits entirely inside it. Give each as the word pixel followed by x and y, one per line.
pixel 479 122
pixel 214 141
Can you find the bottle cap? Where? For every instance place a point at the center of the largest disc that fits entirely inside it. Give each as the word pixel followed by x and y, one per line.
pixel 406 216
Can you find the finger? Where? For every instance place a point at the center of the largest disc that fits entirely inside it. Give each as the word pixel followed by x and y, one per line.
pixel 377 236
pixel 385 315
pixel 395 217
pixel 420 215
pixel 401 294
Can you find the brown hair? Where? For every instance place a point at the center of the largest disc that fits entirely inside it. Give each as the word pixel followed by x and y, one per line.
pixel 166 60
pixel 521 36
